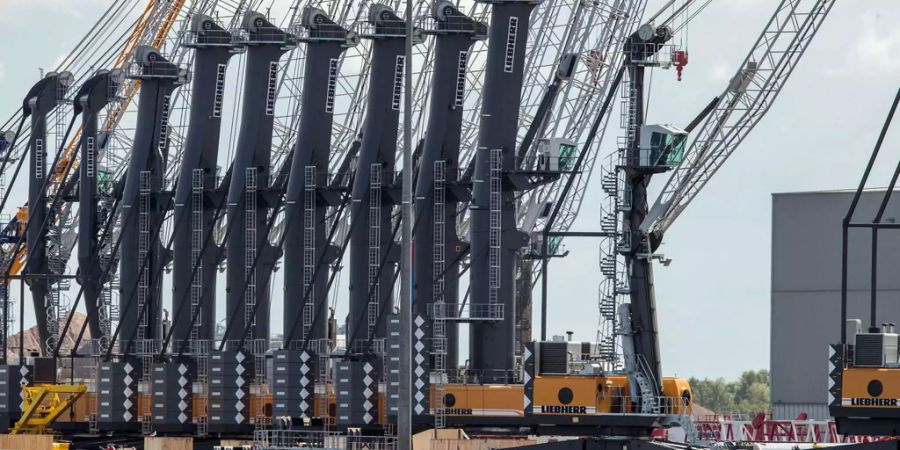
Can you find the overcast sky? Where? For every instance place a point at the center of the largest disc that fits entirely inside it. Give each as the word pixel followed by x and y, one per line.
pixel 713 300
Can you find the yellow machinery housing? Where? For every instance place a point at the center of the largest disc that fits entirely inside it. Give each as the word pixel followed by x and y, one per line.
pixel 43 404
pixel 565 388
pixel 559 395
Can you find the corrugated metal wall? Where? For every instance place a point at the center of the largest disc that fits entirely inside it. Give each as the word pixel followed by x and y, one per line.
pixel 788 411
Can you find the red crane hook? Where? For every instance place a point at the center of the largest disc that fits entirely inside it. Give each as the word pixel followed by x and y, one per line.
pixel 680 58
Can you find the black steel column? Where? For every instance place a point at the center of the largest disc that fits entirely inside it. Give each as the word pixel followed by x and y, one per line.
pixel 639 50
pixel 265 44
pixel 371 243
pixel 92 97
pixel 306 256
pixel 140 247
pixel 324 45
pixel 378 148
pixel 212 49
pixel 40 101
pixel 454 34
pixel 492 341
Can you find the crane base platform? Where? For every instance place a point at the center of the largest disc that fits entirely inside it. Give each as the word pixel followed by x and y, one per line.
pixel 628 425
pixel 612 444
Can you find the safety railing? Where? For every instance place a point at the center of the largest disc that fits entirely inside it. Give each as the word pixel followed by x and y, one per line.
pixel 296 439
pixel 207 38
pixel 470 312
pixel 451 24
pixel 317 346
pixel 363 346
pixel 146 346
pixel 472 376
pixel 266 35
pixel 651 54
pixel 325 32
pixel 361 442
pixel 254 346
pixel 385 28
pixel 158 69
pixel 662 405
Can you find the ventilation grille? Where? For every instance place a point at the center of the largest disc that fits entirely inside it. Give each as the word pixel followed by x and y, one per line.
pixel 553 357
pixel 869 350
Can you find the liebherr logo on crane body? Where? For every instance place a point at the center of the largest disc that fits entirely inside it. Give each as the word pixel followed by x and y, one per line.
pixel 565 409
pixel 511 44
pixel 461 78
pixel 220 91
pixel 398 82
pixel 272 88
pixel 89 157
pixel 164 124
pixel 332 85
pixel 39 158
pixel 877 402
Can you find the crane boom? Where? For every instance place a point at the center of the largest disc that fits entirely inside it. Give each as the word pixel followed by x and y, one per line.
pixel 746 99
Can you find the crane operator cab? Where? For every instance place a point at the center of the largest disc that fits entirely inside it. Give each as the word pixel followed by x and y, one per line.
pixel 557 155
pixel 6 138
pixel 661 147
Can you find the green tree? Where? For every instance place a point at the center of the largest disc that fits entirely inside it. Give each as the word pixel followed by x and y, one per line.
pixel 748 395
